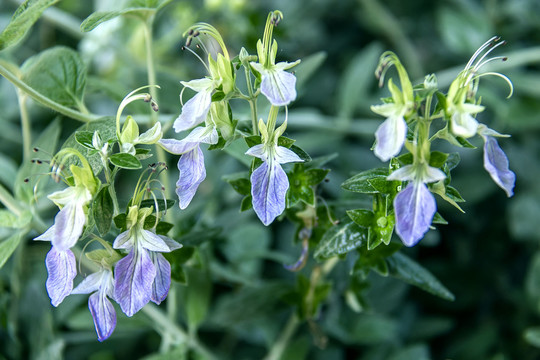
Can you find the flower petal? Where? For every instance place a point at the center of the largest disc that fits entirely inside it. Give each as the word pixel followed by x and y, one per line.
pixel 124 240
pixel 192 173
pixel 103 313
pixel 152 242
pixel 68 226
pixel 90 283
pixel 284 155
pixel 269 186
pixel 414 208
pixel 496 164
pixel 207 135
pixel 258 151
pixel 134 275
pixel 150 136
pixel 390 137
pixel 405 173
pixel 278 86
pixel 194 111
pixel 172 244
pixel 463 124
pixel 62 270
pixel 162 281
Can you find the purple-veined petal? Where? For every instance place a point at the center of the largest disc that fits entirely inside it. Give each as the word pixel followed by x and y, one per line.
pixel 194 111
pixel 68 226
pixel 496 164
pixel 62 270
pixel 207 135
pixel 90 283
pixel 124 240
pixel 103 313
pixel 162 281
pixel 151 241
pixel 278 86
pixel 390 137
pixel 414 208
pixel 258 151
pixel 284 155
pixel 405 173
pixel 134 275
pixel 269 186
pixel 192 173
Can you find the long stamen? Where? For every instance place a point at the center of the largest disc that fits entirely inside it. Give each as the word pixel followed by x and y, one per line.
pixel 480 49
pixel 197 56
pixel 479 62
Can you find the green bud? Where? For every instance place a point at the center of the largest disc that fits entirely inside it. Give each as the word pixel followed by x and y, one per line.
pixel 219 112
pixel 130 131
pixel 84 177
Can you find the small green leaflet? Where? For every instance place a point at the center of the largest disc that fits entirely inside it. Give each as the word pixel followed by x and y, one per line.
pixel 23 19
pixel 102 209
pixel 125 161
pixel 340 239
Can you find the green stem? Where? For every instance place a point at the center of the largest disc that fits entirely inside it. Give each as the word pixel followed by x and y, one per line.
pixel 9 201
pixel 163 323
pixel 150 69
pixel 281 344
pixel 252 101
pixel 25 126
pixel 45 100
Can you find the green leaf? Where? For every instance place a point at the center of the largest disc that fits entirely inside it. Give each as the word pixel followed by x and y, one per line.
pixel 120 221
pixel 438 219
pixel 8 246
pixel 107 129
pixel 404 268
pixel 308 67
pixel 340 239
pixel 142 9
pixel 125 161
pixel 253 140
pixel 102 210
pixel 197 298
pixel 8 170
pixel 285 141
pixel 532 336
pixel 361 217
pixel 24 17
pixel 301 153
pixel 239 182
pixel 437 159
pixel 368 182
pixel 58 73
pixel 246 203
pixel 10 220
pixel 160 203
pixel 84 138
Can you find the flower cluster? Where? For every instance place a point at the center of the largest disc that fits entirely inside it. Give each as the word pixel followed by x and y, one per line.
pixel 210 105
pixel 410 113
pixel 133 270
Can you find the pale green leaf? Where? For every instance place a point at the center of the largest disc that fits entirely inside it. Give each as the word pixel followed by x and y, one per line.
pixel 340 239
pixel 23 19
pixel 8 246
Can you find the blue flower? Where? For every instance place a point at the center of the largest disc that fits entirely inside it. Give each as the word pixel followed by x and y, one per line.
pixel 415 206
pixel 139 275
pixel 496 162
pixel 278 85
pixel 63 234
pixel 191 163
pixel 196 109
pixel 100 284
pixel 269 183
pixel 390 135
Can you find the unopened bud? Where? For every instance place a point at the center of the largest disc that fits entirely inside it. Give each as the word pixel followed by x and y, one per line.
pixel 147 98
pixel 155 106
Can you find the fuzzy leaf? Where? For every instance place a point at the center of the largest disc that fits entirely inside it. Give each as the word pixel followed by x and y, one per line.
pixel 125 161
pixel 102 209
pixel 340 239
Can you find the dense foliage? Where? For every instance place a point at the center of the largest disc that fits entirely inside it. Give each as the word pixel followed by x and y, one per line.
pixel 284 229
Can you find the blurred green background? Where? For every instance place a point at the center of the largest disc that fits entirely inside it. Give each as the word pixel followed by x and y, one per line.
pixel 488 257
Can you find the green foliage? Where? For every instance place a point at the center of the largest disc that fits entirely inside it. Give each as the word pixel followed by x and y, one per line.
pixel 22 20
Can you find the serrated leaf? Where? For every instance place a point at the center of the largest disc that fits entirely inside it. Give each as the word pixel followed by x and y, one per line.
pixel 58 73
pixel 364 181
pixel 125 161
pixel 102 210
pixel 340 239
pixel 404 268
pixel 24 17
pixel 8 246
